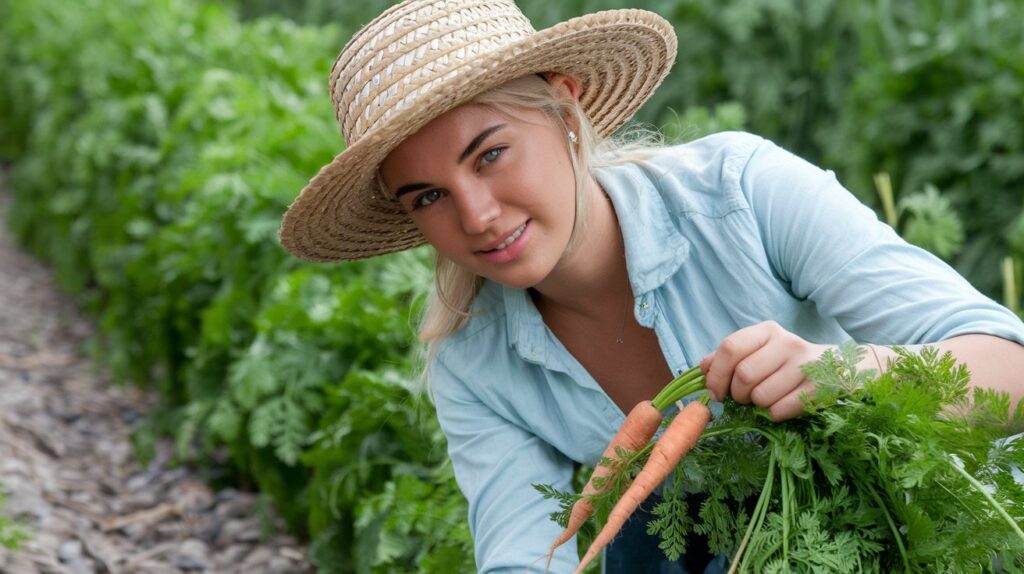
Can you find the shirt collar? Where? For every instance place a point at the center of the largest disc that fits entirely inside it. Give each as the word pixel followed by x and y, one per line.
pixel 655 247
pixel 525 325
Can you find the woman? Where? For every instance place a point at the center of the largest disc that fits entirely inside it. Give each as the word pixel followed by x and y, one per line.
pixel 575 278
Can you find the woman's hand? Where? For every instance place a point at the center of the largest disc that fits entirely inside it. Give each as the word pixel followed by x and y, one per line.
pixel 760 364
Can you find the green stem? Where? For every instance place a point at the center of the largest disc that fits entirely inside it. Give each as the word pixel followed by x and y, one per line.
pixel 687 383
pixel 998 507
pixel 757 518
pixel 892 527
pixel 883 184
pixel 1010 296
pixel 787 507
pixel 672 389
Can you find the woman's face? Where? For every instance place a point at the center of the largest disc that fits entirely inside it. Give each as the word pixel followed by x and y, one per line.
pixel 494 194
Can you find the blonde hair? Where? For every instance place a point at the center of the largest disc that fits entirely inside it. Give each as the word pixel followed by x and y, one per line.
pixel 455 288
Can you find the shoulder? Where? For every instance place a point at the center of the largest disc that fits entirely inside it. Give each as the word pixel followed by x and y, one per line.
pixel 465 352
pixel 700 177
pixel 724 153
pixel 486 321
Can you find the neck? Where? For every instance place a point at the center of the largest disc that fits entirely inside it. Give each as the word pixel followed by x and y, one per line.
pixel 592 279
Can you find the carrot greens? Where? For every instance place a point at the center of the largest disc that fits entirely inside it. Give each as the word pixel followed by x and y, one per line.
pixel 907 471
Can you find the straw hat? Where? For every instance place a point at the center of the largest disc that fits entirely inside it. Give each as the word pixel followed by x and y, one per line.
pixel 422 58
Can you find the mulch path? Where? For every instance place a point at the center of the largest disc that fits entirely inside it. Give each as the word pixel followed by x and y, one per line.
pixel 67 464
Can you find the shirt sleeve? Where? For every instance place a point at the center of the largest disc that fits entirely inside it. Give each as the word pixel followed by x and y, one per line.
pixel 496 463
pixel 834 251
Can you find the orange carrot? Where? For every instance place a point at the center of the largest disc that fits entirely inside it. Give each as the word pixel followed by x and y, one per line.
pixel 636 431
pixel 680 436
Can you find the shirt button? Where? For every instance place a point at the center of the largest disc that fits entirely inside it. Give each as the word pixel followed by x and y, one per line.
pixel 644 305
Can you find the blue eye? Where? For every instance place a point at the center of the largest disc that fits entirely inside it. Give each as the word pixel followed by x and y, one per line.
pixel 490 155
pixel 425 199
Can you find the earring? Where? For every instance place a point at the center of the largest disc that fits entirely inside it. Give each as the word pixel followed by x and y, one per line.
pixel 572 136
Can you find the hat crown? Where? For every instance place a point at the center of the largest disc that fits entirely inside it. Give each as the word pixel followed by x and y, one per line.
pixel 395 60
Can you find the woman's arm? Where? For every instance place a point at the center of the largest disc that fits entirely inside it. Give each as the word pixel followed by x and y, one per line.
pixel 496 463
pixel 831 250
pixel 761 365
pixel 994 363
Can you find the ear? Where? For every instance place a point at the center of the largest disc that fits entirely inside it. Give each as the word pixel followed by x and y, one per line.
pixel 563 85
pixel 568 88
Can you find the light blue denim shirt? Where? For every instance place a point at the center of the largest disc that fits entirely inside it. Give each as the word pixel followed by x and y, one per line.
pixel 720 234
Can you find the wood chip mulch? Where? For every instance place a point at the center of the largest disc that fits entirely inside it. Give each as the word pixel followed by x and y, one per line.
pixel 68 466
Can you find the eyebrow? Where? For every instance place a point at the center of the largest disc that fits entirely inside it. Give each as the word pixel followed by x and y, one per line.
pixel 479 139
pixel 473 145
pixel 410 188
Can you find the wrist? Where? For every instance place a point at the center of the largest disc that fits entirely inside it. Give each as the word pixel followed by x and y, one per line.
pixel 876 358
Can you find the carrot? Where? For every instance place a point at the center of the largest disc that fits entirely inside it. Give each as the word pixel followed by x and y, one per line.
pixel 680 436
pixel 636 431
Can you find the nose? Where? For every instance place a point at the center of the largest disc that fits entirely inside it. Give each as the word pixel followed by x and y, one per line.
pixel 477 208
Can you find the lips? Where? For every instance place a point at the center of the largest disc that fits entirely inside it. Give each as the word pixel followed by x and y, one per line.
pixel 509 240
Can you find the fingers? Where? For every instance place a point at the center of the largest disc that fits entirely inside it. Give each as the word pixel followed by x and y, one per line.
pixel 792 404
pixel 761 365
pixel 769 391
pixel 705 363
pixel 733 350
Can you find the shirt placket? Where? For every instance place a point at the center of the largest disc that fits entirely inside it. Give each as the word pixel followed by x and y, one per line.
pixel 650 314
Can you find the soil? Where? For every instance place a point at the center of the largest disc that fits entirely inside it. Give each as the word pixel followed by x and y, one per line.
pixel 68 466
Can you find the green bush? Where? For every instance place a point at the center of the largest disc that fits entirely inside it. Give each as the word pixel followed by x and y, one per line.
pixel 156 145
pixel 936 100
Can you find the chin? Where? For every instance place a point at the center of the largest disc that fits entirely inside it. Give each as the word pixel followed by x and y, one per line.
pixel 524 279
pixel 513 282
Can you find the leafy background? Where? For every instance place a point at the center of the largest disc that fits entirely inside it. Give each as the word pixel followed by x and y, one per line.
pixel 154 145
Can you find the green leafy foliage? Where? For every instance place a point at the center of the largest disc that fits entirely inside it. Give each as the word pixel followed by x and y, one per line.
pixel 415 525
pixel 907 471
pixel 156 145
pixel 565 502
pixel 700 121
pixel 932 223
pixel 672 524
pixel 935 100
pixel 377 433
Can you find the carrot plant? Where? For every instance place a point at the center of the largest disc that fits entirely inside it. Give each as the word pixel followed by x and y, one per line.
pixel 635 432
pixel 679 437
pixel 909 471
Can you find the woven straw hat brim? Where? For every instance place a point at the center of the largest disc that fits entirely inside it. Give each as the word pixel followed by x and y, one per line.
pixel 619 57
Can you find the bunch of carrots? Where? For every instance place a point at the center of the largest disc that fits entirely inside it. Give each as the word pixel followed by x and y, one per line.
pixel 867 507
pixel 635 433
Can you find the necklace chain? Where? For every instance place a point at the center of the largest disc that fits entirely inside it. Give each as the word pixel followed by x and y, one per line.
pixel 622 324
pixel 620 337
